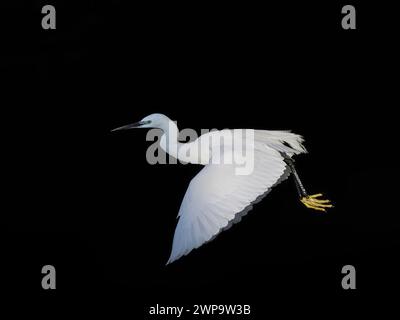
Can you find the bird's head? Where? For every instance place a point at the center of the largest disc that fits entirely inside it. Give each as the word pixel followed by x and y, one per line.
pixel 155 120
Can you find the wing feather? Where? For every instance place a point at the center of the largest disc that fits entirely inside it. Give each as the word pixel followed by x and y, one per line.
pixel 217 197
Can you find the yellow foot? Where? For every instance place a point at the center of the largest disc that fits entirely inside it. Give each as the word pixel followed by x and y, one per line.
pixel 317 204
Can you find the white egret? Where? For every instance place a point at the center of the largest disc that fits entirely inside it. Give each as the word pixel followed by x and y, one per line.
pixel 217 196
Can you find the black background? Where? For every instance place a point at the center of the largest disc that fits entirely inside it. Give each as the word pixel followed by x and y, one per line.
pixel 87 202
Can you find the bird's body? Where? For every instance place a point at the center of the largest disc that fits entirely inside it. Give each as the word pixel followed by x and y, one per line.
pixel 218 196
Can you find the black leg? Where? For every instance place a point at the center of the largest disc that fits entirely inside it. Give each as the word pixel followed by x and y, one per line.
pixel 310 201
pixel 299 186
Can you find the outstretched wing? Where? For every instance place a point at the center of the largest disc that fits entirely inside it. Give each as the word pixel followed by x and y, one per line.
pixel 216 196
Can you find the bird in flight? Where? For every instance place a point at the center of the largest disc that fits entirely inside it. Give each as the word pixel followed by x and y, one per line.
pixel 218 197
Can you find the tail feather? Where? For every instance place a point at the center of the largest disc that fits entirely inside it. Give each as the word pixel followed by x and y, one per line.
pixel 282 141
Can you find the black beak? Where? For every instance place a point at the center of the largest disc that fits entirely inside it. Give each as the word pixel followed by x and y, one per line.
pixel 132 125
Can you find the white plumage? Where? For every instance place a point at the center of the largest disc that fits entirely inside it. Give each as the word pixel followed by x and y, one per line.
pixel 217 197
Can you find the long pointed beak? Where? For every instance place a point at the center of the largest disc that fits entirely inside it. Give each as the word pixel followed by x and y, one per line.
pixel 131 126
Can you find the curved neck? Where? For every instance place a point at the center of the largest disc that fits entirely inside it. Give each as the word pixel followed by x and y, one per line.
pixel 170 128
pixel 169 140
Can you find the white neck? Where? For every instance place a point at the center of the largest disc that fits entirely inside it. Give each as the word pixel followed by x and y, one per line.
pixel 169 140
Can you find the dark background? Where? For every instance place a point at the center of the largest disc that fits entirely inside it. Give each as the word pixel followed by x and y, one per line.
pixel 87 202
